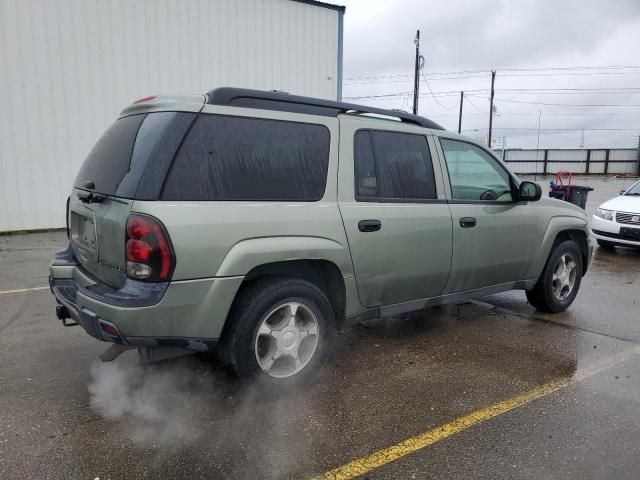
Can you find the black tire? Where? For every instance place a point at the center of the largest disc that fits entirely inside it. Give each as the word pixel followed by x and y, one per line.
pixel 542 296
pixel 237 348
pixel 606 245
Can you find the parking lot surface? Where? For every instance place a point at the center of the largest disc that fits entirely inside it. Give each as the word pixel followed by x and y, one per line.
pixel 490 389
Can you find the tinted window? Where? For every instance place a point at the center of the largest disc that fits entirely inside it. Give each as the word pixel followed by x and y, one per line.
pixel 238 158
pixel 109 159
pixel 393 165
pixel 474 174
pixel 131 159
pixel 366 181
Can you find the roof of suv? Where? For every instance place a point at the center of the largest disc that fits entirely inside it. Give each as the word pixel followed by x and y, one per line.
pixel 284 102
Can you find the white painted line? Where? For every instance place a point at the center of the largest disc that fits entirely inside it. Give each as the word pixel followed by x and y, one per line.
pixel 21 290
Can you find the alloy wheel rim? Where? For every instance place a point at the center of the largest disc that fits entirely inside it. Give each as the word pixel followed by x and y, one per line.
pixel 564 277
pixel 287 339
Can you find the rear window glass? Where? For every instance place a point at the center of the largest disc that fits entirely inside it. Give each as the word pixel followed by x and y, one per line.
pixel 238 158
pixel 132 157
pixel 109 159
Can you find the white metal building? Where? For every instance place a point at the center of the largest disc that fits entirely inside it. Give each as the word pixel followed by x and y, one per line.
pixel 69 66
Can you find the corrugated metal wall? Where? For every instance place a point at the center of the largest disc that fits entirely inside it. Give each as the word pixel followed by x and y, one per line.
pixel 69 66
pixel 613 161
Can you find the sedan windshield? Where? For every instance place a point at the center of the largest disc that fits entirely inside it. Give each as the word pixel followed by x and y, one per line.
pixel 634 190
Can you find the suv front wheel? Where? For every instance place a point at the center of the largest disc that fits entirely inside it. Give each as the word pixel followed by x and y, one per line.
pixel 279 333
pixel 558 285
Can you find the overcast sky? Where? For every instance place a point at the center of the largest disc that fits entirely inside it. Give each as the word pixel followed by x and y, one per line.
pixel 473 35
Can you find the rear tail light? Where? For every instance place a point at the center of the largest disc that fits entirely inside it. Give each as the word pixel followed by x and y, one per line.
pixel 148 249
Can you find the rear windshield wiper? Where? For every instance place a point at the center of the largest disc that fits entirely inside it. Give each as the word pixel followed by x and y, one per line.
pixel 90 197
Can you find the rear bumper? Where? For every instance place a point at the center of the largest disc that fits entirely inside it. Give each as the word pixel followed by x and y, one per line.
pixel 187 314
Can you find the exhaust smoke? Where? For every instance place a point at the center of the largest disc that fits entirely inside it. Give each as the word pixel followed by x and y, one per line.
pixel 185 403
pixel 156 403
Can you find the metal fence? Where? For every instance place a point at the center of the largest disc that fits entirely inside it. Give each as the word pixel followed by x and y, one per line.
pixel 592 161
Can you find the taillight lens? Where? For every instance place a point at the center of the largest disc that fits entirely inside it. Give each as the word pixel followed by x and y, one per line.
pixel 148 249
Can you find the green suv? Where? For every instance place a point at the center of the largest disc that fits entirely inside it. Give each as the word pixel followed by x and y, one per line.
pixel 259 223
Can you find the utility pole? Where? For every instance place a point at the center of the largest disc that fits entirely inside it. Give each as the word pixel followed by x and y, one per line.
pixel 493 79
pixel 638 155
pixel 416 80
pixel 460 114
pixel 504 149
pixel 538 144
pixel 544 165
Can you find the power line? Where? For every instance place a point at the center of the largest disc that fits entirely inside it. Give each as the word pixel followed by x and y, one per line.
pixel 526 91
pixel 579 74
pixel 407 80
pixel 560 74
pixel 567 104
pixel 383 96
pixel 556 129
pixel 487 70
pixel 579 91
pixel 431 92
pixel 590 67
pixel 530 114
pixel 519 72
pixel 394 75
pixel 474 105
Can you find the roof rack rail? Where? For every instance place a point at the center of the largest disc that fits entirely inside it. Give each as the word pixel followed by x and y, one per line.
pixel 284 102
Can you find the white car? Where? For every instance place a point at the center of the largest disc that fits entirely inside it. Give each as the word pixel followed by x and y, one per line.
pixel 617 221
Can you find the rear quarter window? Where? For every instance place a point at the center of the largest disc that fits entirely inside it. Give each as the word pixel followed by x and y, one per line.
pixel 109 160
pixel 132 157
pixel 237 158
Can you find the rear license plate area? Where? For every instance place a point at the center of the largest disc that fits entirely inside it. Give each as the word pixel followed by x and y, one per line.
pixel 83 230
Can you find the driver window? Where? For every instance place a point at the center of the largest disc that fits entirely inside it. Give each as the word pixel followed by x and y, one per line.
pixel 474 174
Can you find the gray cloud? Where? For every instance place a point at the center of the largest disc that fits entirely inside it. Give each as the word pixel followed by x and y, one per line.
pixel 477 34
pixel 471 35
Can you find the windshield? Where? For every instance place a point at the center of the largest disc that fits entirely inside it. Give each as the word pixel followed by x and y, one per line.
pixel 634 190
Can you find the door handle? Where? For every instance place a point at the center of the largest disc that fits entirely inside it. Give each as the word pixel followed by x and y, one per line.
pixel 369 225
pixel 468 222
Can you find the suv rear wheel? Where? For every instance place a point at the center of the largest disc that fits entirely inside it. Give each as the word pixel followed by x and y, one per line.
pixel 560 280
pixel 279 333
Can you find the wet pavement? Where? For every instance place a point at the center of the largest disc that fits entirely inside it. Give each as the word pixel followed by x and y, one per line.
pixel 64 415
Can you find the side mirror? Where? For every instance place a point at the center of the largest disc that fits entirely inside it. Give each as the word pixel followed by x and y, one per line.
pixel 529 192
pixel 622 192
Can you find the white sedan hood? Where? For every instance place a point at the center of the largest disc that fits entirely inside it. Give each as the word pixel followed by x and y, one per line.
pixel 629 203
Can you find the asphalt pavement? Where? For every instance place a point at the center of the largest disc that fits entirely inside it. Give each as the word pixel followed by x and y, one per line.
pixel 491 389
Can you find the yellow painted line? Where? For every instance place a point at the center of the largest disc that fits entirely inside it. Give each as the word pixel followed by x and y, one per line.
pixel 386 455
pixel 21 290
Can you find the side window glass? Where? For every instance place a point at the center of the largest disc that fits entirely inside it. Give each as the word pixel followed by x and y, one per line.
pixel 474 174
pixel 402 161
pixel 393 166
pixel 240 158
pixel 365 174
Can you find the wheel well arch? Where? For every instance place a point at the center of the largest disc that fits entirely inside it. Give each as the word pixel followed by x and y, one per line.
pixel 323 273
pixel 581 239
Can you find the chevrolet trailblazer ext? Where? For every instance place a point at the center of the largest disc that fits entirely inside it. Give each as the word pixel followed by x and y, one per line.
pixel 258 223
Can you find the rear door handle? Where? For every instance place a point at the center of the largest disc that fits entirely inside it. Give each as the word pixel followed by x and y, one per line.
pixel 468 222
pixel 369 225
